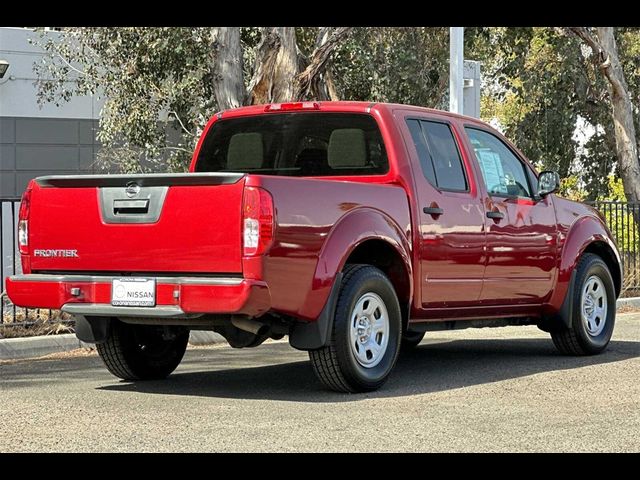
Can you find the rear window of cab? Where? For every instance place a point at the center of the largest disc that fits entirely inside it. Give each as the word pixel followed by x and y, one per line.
pixel 295 144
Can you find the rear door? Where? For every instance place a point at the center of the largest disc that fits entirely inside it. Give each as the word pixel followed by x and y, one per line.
pixel 521 229
pixel 451 217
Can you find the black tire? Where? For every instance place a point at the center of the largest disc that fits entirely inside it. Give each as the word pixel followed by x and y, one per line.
pixel 143 352
pixel 410 340
pixel 577 340
pixel 336 365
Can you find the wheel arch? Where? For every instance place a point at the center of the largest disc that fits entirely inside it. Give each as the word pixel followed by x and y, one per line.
pixel 362 231
pixel 587 235
pixel 364 235
pixel 382 255
pixel 608 256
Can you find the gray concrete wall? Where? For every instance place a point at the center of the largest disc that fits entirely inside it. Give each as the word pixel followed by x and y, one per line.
pixel 39 139
pixel 17 90
pixel 30 147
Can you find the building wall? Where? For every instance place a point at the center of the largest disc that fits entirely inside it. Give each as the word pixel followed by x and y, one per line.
pixel 31 147
pixel 39 139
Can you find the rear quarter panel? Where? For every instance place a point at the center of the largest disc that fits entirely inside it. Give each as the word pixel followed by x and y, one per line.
pixel 318 224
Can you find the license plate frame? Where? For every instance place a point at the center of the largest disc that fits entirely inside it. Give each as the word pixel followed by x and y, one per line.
pixel 133 292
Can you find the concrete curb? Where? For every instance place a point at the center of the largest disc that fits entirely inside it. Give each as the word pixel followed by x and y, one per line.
pixel 629 302
pixel 203 337
pixel 30 347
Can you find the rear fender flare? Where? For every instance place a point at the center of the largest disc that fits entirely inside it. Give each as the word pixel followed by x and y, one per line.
pixel 352 230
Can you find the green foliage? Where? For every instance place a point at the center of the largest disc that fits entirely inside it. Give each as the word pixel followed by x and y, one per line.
pixel 399 65
pixel 538 84
pixel 156 82
pixel 533 98
pixel 620 218
pixel 570 188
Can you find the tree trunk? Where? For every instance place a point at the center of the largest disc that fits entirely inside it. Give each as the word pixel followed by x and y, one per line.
pixel 260 86
pixel 286 66
pixel 622 112
pixel 310 81
pixel 276 67
pixel 605 49
pixel 226 51
pixel 276 73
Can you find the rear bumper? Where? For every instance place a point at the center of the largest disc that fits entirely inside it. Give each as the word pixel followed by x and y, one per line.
pixel 175 296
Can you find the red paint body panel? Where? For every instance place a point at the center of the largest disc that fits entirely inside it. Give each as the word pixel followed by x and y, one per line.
pixel 451 247
pixel 461 265
pixel 521 252
pixel 198 231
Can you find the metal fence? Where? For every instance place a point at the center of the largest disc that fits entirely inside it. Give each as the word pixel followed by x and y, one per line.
pixel 10 315
pixel 623 219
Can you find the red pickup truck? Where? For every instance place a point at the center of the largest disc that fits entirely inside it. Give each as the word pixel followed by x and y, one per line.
pixel 351 227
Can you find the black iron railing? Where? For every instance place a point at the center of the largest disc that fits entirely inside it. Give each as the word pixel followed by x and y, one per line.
pixel 10 315
pixel 623 219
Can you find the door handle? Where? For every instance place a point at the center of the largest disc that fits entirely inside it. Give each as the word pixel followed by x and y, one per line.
pixel 125 207
pixel 433 210
pixel 496 215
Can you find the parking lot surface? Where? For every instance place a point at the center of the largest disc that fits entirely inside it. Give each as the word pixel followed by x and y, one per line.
pixel 500 389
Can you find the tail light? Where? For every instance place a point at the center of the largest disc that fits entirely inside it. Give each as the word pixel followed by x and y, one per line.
pixel 257 221
pixel 283 107
pixel 23 220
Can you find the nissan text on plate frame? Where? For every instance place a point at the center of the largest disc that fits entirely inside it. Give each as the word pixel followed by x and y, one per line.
pixel 133 292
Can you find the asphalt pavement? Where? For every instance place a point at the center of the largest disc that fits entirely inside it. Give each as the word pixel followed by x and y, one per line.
pixel 502 389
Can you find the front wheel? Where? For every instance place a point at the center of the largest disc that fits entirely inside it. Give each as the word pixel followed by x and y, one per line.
pixel 366 334
pixel 593 312
pixel 143 352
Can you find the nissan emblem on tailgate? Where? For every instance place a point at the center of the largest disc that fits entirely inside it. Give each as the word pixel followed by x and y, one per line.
pixel 132 189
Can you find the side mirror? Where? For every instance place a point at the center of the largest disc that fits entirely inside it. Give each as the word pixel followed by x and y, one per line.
pixel 548 182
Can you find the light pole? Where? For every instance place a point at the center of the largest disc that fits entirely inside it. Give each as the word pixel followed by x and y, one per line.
pixel 456 69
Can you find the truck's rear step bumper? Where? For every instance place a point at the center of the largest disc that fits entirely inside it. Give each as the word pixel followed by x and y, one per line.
pixel 179 295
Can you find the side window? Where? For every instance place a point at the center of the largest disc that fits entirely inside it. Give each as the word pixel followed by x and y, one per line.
pixel 439 158
pixel 504 174
pixel 422 149
pixel 445 156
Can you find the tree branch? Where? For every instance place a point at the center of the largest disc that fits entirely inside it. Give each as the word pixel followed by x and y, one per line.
pixel 179 149
pixel 326 43
pixel 175 114
pixel 602 60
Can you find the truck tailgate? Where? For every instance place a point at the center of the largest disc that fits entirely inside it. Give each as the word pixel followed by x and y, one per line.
pixel 146 223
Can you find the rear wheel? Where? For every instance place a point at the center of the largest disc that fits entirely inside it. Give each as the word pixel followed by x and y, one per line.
pixel 593 312
pixel 143 352
pixel 365 341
